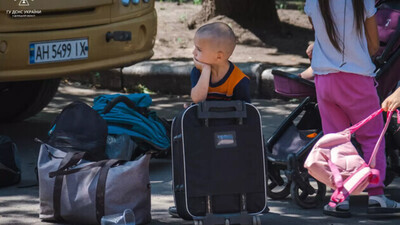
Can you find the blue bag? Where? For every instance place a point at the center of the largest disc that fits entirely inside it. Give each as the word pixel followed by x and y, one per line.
pixel 129 114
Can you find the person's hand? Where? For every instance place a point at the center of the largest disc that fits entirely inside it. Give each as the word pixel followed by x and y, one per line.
pixel 309 50
pixel 307 74
pixel 200 66
pixel 392 102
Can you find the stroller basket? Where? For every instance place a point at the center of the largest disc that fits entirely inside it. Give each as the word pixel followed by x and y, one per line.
pixel 293 86
pixel 290 142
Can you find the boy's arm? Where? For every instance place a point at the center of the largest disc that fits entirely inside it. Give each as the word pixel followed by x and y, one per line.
pixel 200 90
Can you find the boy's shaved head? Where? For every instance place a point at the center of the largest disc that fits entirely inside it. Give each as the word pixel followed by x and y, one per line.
pixel 221 36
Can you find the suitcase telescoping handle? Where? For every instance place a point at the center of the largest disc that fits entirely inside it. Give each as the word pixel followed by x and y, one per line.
pixel 222 110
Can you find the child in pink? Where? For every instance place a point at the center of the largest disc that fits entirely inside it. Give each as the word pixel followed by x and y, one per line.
pixel 345 38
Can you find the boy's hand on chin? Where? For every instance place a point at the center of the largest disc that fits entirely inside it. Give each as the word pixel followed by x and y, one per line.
pixel 199 65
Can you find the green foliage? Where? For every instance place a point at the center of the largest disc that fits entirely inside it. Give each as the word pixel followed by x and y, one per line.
pixel 197 2
pixel 290 4
pixel 182 18
pixel 140 88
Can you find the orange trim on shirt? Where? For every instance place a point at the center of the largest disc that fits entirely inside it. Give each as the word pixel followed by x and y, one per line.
pixel 229 85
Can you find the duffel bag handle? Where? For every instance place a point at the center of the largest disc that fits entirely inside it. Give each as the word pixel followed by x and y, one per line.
pixel 71 159
pixel 222 109
pixel 66 170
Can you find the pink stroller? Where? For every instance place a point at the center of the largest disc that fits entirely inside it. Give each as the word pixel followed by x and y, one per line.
pixel 291 143
pixel 388 74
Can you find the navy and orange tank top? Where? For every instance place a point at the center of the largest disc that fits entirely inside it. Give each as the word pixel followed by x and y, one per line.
pixel 235 85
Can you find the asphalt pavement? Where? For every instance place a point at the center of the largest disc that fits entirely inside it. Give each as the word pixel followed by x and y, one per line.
pixel 20 204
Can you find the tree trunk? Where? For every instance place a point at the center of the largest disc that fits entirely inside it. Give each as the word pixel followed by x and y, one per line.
pixel 250 13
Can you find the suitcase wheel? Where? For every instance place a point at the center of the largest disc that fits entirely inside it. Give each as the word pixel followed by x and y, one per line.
pixel 256 220
pixel 198 222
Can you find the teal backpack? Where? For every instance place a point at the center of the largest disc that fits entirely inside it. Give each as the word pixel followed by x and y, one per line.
pixel 129 114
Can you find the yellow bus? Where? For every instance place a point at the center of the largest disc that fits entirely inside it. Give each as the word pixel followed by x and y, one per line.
pixel 43 40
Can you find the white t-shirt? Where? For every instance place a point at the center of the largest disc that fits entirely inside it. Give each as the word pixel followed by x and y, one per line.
pixel 326 59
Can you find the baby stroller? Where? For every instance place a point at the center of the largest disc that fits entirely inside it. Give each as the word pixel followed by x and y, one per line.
pixel 290 144
pixel 388 76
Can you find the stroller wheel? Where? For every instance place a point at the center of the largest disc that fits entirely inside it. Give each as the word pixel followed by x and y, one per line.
pixel 310 196
pixel 392 165
pixel 390 175
pixel 278 187
pixel 277 192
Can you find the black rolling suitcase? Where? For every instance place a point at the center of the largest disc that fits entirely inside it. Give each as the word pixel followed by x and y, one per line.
pixel 219 174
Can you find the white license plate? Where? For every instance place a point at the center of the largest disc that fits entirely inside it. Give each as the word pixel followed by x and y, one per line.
pixel 58 51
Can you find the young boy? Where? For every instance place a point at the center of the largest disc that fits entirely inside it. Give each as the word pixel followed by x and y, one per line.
pixel 214 76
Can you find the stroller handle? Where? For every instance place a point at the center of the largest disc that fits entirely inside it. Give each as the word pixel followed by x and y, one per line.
pixel 293 77
pixel 394 39
pixel 383 57
pixel 127 101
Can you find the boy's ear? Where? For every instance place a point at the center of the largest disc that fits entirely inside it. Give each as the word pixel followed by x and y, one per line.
pixel 220 55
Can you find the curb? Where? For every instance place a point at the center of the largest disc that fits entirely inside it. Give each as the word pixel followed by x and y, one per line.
pixel 173 77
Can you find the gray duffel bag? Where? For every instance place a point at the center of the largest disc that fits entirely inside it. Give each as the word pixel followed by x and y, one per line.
pixel 81 192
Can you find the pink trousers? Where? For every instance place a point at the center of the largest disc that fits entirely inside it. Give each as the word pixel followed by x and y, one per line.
pixel 345 99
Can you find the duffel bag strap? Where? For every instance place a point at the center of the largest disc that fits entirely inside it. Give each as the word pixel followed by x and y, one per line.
pixel 69 160
pixel 75 170
pixel 101 187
